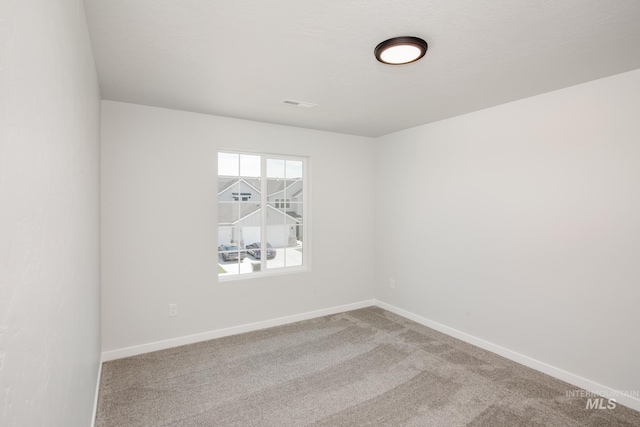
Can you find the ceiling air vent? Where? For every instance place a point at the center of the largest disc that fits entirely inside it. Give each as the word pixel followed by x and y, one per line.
pixel 298 103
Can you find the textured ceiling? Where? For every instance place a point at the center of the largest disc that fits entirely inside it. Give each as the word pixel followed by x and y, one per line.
pixel 243 58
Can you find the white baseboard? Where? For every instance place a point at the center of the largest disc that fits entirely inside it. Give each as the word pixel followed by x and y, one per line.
pixel 95 399
pixel 583 383
pixel 234 330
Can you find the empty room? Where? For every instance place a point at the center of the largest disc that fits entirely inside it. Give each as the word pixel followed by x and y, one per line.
pixel 286 213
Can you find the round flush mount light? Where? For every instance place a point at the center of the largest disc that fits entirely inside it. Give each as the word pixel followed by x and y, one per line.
pixel 400 50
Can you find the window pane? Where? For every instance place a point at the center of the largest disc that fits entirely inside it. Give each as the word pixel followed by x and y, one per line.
pixel 224 183
pixel 277 261
pixel 289 252
pixel 252 185
pixel 225 234
pixel 294 169
pixel 293 190
pixel 277 238
pixel 228 164
pixel 275 189
pixel 294 256
pixel 295 211
pixel 285 212
pixel 230 254
pixel 275 168
pixel 251 235
pixel 241 214
pixel 249 165
pixel 274 229
pixel 228 214
pixel 227 187
pixel 227 268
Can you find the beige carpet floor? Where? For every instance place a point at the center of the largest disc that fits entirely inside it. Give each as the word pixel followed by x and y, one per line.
pixel 366 367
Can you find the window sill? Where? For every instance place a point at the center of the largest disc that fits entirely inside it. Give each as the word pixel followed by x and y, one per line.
pixel 261 274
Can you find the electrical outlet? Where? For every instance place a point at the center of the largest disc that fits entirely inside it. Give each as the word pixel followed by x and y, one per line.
pixel 392 283
pixel 173 310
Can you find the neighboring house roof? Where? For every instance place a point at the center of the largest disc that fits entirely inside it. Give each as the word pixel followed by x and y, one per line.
pixel 231 213
pixel 278 185
pixel 224 183
pixel 234 212
pixel 228 213
pixel 274 185
pixel 294 215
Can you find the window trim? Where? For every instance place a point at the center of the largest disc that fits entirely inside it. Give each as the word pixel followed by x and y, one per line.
pixel 306 228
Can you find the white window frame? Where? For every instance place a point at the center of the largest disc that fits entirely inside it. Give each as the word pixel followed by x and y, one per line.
pixel 306 228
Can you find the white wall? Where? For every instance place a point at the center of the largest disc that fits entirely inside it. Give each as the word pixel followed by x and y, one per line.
pixel 520 225
pixel 49 215
pixel 159 220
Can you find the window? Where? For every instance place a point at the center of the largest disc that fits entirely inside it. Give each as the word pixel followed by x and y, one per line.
pixel 283 203
pixel 262 226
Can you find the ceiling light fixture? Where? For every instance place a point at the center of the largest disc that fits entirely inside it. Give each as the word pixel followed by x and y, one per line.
pixel 400 50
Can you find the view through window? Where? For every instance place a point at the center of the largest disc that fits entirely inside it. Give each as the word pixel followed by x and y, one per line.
pixel 261 208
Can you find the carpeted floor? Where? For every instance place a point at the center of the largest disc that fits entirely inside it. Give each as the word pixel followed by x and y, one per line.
pixel 366 367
